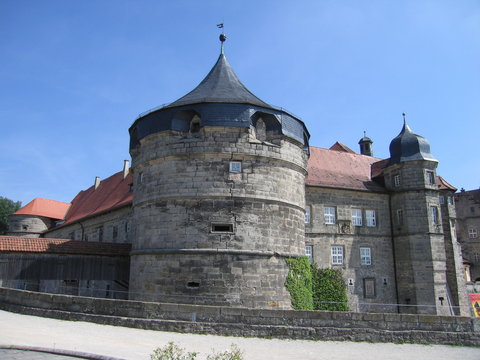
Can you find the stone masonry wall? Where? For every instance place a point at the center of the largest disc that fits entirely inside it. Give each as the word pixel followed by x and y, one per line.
pixel 419 242
pixel 114 227
pixel 351 238
pixel 27 225
pixel 289 324
pixel 236 227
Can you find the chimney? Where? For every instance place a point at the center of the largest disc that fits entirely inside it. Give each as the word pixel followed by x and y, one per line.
pixel 125 168
pixel 97 182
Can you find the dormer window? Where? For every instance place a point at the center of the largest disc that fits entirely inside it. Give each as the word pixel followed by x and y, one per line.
pixel 261 130
pixel 195 125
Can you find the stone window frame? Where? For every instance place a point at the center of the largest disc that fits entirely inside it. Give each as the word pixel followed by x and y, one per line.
pixel 235 167
pixel 430 177
pixel 357 217
pixel 329 215
pixel 371 218
pixel 337 254
pixel 434 215
pixel 472 233
pixel 308 214
pixel 369 288
pixel 450 200
pixel 400 218
pixel 309 253
pixel 397 181
pixel 441 199
pixel 365 256
pixel 230 226
pixel 114 232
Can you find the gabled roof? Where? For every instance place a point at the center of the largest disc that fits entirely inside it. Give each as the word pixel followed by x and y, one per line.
pixel 62 246
pixel 338 146
pixel 44 207
pixel 112 193
pixel 444 185
pixel 340 169
pixel 221 85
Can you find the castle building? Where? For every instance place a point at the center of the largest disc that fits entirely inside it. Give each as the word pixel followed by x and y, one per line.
pixel 224 187
pixel 467 204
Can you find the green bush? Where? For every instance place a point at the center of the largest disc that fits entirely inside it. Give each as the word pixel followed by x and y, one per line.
pixel 299 283
pixel 329 290
pixel 171 351
pixel 233 354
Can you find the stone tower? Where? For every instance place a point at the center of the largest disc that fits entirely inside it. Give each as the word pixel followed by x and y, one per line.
pixel 218 197
pixel 419 242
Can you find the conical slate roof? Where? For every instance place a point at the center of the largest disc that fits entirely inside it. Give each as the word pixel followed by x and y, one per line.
pixel 221 85
pixel 408 146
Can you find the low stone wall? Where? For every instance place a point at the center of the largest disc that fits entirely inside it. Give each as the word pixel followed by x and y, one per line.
pixel 314 325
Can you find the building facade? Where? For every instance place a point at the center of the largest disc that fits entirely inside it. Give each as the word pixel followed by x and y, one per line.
pixel 224 187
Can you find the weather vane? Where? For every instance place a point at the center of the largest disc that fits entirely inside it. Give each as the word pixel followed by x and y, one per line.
pixel 222 36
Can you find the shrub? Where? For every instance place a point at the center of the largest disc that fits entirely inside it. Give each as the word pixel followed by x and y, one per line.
pixel 171 351
pixel 299 283
pixel 233 354
pixel 329 290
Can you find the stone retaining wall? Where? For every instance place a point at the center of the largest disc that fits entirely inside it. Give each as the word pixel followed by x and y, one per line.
pixel 314 325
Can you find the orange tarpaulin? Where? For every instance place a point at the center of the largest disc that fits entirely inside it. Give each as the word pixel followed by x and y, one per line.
pixel 475 300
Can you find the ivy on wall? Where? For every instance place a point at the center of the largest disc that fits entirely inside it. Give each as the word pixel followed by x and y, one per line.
pixel 299 283
pixel 329 290
pixel 312 288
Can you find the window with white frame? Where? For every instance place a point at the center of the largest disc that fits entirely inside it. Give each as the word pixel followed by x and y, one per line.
pixel 356 217
pixel 329 215
pixel 442 200
pixel 309 252
pixel 430 178
pixel 337 255
pixel 365 256
pixel 307 214
pixel 235 166
pixel 472 233
pixel 396 180
pixel 371 218
pixel 434 213
pixel 450 200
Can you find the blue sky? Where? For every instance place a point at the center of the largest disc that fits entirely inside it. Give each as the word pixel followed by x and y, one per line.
pixel 74 75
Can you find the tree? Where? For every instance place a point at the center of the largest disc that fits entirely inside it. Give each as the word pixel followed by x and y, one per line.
pixel 7 207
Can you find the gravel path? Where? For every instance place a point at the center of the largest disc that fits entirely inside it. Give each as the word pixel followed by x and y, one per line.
pixel 136 344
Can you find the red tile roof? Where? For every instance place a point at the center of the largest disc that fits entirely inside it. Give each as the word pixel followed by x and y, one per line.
pixel 338 146
pixel 61 246
pixel 340 169
pixel 444 185
pixel 44 207
pixel 112 193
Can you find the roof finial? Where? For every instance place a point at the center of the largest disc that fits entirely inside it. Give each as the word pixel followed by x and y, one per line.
pixel 364 133
pixel 222 37
pixel 404 120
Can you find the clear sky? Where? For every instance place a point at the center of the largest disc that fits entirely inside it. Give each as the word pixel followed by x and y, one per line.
pixel 74 75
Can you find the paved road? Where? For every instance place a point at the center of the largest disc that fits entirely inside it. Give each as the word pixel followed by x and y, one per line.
pixel 137 344
pixel 30 355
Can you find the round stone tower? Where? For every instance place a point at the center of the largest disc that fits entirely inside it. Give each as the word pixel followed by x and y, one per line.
pixel 219 189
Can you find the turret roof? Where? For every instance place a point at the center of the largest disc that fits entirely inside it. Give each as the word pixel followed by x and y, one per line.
pixel 408 146
pixel 221 85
